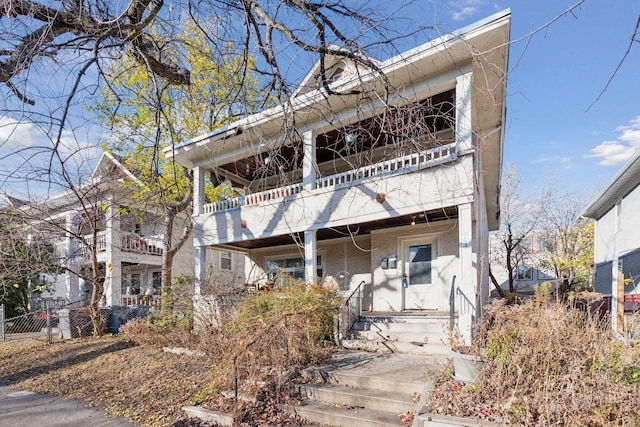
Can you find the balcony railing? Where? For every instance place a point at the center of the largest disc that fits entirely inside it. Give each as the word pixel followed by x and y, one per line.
pixel 415 161
pixel 153 301
pixel 129 242
pixel 132 242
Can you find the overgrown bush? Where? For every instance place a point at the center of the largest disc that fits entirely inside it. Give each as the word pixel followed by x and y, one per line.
pixel 265 336
pixel 548 363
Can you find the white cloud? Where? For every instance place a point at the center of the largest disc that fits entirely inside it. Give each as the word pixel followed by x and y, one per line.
pixel 618 151
pixel 462 13
pixel 553 159
pixel 464 9
pixel 15 134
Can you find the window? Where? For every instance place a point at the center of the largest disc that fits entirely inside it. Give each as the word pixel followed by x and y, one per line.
pixel 546 244
pixel 291 265
pixel 525 245
pixel 225 260
pixel 420 264
pixel 156 279
pixel 135 284
pixel 524 272
pixel 545 274
pixel 619 215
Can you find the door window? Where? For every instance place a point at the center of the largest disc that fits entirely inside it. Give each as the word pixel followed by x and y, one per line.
pixel 420 264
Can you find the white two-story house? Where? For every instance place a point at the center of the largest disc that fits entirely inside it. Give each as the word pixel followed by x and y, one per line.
pixel 617 240
pixel 390 179
pixel 102 216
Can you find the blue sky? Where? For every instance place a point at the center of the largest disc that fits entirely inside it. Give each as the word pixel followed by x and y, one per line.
pixel 555 75
pixel 551 133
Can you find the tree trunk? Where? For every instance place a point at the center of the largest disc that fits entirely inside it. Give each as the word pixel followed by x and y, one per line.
pixel 496 284
pixel 170 249
pixel 96 293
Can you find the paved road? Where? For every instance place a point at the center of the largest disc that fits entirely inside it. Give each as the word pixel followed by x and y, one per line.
pixel 21 408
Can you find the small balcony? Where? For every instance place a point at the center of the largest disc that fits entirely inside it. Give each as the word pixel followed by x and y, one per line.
pixel 129 242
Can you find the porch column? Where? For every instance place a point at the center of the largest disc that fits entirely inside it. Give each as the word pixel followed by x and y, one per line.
pixel 309 161
pixel 464 131
pixel 198 190
pixel 113 270
pixel 201 267
pixel 310 257
pixel 72 284
pixel 615 295
pixel 466 293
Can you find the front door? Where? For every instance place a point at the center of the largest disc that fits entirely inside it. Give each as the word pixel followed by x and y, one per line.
pixel 420 289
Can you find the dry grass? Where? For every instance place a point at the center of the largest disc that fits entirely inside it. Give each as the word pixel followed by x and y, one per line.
pixel 145 384
pixel 271 334
pixel 549 364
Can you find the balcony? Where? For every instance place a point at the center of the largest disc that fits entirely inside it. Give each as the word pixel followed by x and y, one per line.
pixel 398 166
pixel 129 242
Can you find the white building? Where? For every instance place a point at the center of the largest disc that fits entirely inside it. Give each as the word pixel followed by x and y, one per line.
pixel 617 237
pixel 529 262
pixel 339 188
pixel 128 240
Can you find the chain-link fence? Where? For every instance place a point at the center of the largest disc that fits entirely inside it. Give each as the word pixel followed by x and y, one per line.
pixel 29 325
pixel 52 319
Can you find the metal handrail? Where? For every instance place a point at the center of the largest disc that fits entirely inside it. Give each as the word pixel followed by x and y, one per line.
pixel 452 305
pixel 357 289
pixel 352 315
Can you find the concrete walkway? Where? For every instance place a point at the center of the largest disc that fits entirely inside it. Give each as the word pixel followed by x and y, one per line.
pixel 23 408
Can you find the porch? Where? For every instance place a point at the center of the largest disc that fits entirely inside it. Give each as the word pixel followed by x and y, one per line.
pixel 405 164
pixel 129 242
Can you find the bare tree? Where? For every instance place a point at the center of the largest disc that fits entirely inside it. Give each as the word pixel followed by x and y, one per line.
pixel 519 219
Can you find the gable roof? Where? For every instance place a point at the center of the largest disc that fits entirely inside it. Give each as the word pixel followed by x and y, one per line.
pixel 108 169
pixel 311 81
pixel 482 47
pixel 627 178
pixel 112 166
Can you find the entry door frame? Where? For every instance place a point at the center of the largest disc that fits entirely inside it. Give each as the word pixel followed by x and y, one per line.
pixel 433 289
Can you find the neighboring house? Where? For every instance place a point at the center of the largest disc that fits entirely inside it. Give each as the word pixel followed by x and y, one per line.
pixel 617 237
pixel 528 261
pixel 339 189
pixel 128 240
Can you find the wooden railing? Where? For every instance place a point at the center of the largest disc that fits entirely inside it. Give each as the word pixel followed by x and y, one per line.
pixel 129 242
pixel 153 301
pixel 415 161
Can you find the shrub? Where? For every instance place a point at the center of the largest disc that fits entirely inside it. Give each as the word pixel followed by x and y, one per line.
pixel 549 363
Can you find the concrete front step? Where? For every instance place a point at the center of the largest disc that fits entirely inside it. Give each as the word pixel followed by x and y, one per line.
pixel 396 373
pixel 357 389
pixel 406 336
pixel 428 325
pixel 335 394
pixel 342 416
pixel 383 346
pixel 415 333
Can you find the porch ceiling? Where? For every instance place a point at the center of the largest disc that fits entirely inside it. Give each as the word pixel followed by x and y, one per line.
pixel 364 228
